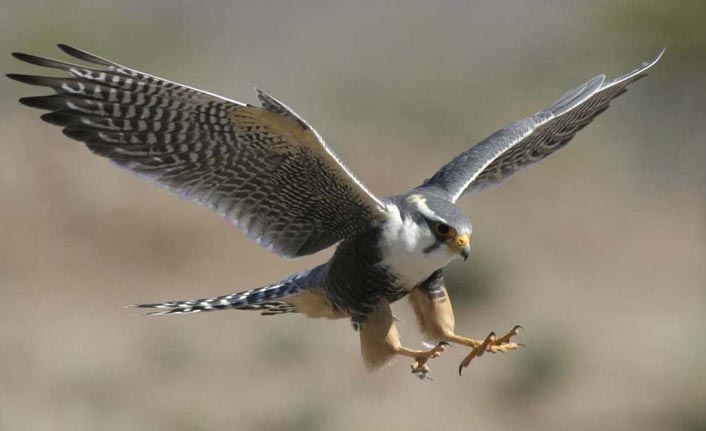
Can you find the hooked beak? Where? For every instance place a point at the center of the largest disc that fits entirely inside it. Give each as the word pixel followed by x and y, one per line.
pixel 461 245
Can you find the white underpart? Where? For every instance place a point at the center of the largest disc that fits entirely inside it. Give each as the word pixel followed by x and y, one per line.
pixel 402 244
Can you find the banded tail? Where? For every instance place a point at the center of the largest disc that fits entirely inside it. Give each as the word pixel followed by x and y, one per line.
pixel 263 298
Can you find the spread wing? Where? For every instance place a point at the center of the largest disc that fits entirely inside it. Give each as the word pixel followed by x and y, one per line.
pixel 532 139
pixel 262 168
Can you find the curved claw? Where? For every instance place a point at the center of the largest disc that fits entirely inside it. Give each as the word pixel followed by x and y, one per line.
pixel 478 351
pixel 513 332
pixel 437 350
pixel 492 344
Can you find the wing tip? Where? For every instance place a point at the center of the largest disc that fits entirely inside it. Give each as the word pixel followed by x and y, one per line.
pixel 22 56
pixel 83 55
pixel 14 76
pixel 40 102
pixel 639 73
pixel 26 79
pixel 55 118
pixel 68 49
pixel 649 63
pixel 75 133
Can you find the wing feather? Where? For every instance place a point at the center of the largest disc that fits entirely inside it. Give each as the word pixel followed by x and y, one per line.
pixel 529 140
pixel 263 168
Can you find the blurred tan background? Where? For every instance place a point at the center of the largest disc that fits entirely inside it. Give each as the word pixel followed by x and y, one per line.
pixel 599 251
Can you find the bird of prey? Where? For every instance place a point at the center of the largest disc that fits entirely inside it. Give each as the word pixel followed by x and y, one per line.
pixel 271 174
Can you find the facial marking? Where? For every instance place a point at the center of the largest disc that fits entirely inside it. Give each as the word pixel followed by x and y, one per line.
pixel 420 202
pixel 431 247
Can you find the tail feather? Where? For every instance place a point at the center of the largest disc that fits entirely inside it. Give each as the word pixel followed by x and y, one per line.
pixel 262 298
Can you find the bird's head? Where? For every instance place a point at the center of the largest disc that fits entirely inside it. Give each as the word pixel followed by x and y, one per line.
pixel 442 229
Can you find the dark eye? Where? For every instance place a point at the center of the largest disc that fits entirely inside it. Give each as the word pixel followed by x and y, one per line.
pixel 445 230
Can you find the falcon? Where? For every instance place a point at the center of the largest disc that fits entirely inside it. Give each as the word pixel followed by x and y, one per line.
pixel 270 173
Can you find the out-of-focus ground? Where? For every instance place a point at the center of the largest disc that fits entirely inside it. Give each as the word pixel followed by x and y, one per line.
pixel 599 251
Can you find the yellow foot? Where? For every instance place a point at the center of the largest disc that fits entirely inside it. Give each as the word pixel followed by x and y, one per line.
pixel 491 344
pixel 420 367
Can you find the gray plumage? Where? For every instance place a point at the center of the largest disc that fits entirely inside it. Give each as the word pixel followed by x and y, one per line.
pixel 270 173
pixel 264 169
pixel 532 139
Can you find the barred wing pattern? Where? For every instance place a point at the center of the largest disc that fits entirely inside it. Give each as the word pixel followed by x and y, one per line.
pixel 532 139
pixel 262 168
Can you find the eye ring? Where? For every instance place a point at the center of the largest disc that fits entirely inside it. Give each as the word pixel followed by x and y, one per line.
pixel 444 230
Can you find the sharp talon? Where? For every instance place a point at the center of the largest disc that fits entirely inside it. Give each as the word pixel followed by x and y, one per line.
pixel 516 329
pixel 445 344
pixel 505 339
pixel 521 345
pixel 492 344
pixel 488 342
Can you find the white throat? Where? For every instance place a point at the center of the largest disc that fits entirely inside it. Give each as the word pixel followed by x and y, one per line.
pixel 402 243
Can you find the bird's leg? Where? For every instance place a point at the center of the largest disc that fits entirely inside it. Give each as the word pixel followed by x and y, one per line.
pixel 380 342
pixel 432 307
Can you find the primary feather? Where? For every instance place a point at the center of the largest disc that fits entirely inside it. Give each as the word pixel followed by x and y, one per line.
pixel 263 168
pixel 530 140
